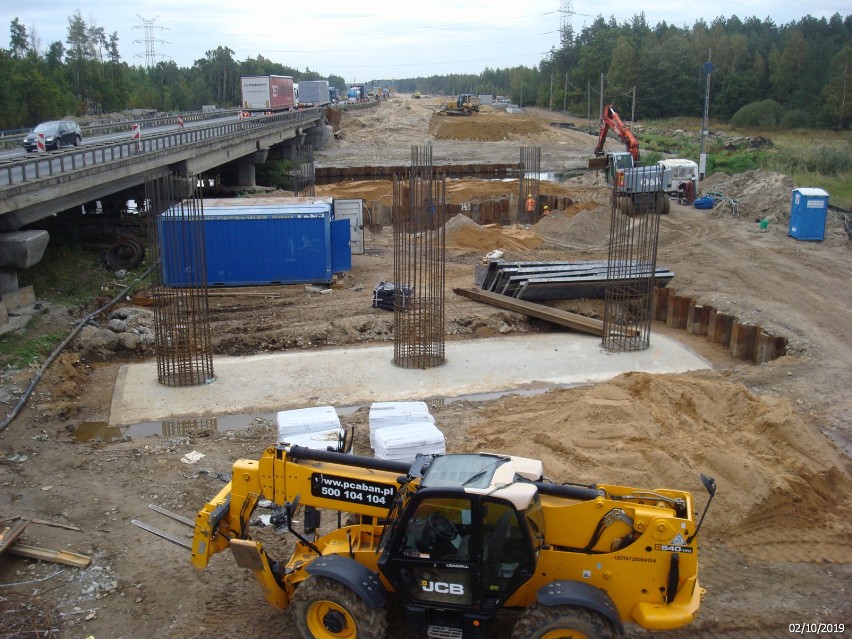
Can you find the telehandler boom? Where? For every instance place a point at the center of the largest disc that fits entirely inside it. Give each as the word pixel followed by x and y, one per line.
pixel 456 538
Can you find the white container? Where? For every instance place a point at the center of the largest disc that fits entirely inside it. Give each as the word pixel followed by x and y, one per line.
pixel 306 420
pixel 405 442
pixel 385 414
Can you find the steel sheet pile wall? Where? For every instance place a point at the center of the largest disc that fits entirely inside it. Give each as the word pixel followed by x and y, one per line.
pixel 304 173
pixel 181 315
pixel 631 266
pixel 419 264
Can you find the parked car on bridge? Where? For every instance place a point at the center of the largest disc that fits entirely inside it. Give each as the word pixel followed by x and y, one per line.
pixel 57 134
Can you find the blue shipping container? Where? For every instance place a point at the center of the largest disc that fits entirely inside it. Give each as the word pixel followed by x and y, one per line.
pixel 808 213
pixel 251 244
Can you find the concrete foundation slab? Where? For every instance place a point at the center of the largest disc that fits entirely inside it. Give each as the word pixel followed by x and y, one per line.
pixel 353 376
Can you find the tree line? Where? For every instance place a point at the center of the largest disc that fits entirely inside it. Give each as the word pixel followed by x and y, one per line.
pixel 803 69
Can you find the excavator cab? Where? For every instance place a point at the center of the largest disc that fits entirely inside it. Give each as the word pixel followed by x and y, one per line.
pixel 616 163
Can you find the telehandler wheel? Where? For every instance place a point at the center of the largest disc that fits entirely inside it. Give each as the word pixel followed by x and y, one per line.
pixel 326 609
pixel 561 622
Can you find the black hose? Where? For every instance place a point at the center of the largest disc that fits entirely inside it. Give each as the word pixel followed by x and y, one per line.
pixel 43 368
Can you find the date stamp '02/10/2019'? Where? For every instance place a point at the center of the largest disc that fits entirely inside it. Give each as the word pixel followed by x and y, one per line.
pixel 816 628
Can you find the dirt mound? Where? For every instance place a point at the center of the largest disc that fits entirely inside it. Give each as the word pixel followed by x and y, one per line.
pixel 774 473
pixel 462 232
pixel 760 194
pixel 486 126
pixel 584 224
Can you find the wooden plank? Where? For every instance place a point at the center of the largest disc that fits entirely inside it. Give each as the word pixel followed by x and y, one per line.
pixel 11 533
pixel 556 316
pixel 63 557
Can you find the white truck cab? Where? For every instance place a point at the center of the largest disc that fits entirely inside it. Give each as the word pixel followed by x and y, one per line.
pixel 682 171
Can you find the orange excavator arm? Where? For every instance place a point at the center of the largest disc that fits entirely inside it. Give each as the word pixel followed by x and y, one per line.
pixel 610 120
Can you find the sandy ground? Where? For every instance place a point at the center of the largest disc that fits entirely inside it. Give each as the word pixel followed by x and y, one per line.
pixel 777 548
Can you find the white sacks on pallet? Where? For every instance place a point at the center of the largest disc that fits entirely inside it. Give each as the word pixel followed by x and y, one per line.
pixel 405 442
pixel 385 414
pixel 316 427
pixel 319 440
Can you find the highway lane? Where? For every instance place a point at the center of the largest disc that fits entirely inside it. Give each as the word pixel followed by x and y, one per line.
pixel 89 140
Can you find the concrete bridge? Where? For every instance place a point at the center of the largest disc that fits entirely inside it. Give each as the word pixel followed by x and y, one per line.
pixel 38 186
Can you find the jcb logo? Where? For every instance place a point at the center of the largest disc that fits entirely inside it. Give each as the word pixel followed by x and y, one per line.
pixel 442 587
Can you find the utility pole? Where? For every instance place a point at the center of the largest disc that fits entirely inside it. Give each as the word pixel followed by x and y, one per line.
pixel 551 90
pixel 633 107
pixel 589 104
pixel 602 93
pixel 702 159
pixel 565 95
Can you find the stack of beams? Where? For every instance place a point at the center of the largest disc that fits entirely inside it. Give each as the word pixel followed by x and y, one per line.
pixel 580 279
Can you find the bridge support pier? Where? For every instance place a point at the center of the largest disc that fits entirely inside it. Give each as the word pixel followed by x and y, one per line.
pixel 18 250
pixel 246 167
pixel 291 145
pixel 319 137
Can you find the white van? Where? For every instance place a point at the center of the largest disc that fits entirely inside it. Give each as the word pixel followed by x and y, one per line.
pixel 682 171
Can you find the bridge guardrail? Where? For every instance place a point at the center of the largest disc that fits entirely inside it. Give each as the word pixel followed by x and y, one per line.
pixel 46 165
pixel 12 139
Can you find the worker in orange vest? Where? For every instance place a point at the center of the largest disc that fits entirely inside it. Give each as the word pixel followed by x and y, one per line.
pixel 530 203
pixel 546 210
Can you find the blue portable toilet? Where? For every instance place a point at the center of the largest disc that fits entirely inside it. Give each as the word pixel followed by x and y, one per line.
pixel 807 214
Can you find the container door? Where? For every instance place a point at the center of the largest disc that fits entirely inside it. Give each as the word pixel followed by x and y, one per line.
pixel 352 210
pixel 341 255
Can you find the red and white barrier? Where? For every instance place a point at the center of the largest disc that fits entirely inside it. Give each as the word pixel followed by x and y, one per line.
pixel 180 121
pixel 136 135
pixel 40 147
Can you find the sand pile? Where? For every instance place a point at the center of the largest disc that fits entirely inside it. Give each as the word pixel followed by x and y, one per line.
pixel 774 474
pixel 462 232
pixel 485 126
pixel 585 224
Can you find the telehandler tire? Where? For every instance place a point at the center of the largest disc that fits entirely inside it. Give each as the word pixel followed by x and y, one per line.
pixel 326 609
pixel 559 622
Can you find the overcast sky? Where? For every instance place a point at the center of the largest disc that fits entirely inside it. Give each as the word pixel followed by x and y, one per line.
pixel 372 39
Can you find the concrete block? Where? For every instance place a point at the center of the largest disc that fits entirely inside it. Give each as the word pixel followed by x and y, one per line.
pixel 18 299
pixel 4 314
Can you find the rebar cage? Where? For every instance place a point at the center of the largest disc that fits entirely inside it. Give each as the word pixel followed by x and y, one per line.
pixel 182 335
pixel 529 185
pixel 419 265
pixel 632 262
